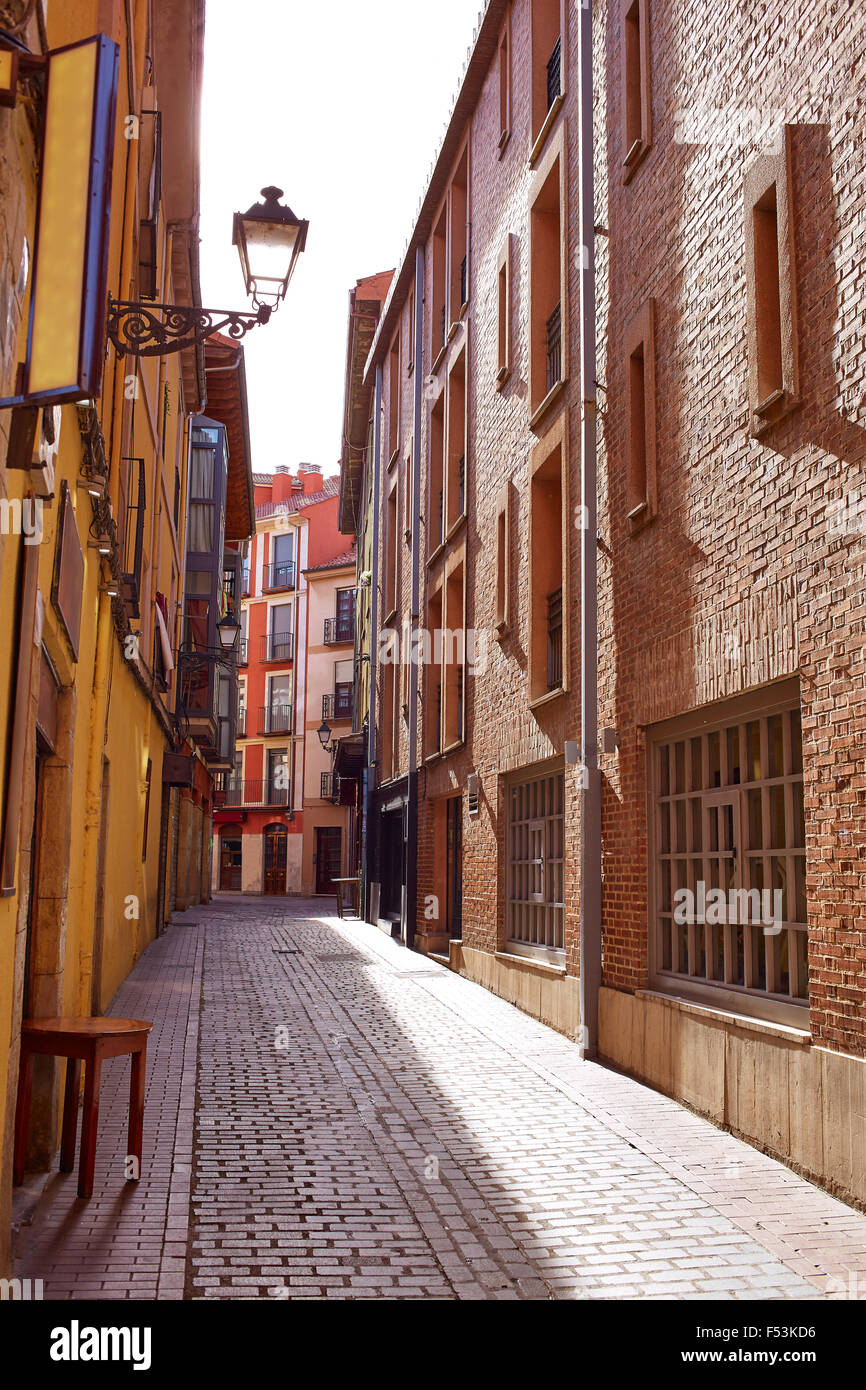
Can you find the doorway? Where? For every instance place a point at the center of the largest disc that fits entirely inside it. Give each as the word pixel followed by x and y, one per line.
pixel 454 867
pixel 276 860
pixel 231 860
pixel 329 857
pixel 391 899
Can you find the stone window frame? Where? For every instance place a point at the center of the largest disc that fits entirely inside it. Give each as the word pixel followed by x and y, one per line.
pixel 539 821
pixel 636 73
pixel 540 403
pixel 557 439
pixel 504 311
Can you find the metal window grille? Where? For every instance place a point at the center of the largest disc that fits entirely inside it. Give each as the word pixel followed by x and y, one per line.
pixel 727 814
pixel 536 907
pixel 554 73
pixel 554 640
pixel 554 347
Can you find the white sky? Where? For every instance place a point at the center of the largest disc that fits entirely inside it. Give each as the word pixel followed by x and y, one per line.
pixel 342 105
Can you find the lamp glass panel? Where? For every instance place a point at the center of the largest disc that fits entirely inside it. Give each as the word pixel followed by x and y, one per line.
pixel 270 248
pixel 6 68
pixel 54 356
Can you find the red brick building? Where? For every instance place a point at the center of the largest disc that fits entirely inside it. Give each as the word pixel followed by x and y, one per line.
pixel 730 402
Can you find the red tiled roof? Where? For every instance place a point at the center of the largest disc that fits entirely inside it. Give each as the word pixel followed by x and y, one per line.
pixel 338 563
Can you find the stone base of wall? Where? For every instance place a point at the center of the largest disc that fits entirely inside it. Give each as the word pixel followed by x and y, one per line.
pixel 765 1083
pixel 544 991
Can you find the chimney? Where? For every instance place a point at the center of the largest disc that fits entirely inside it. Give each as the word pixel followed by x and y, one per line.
pixel 311 476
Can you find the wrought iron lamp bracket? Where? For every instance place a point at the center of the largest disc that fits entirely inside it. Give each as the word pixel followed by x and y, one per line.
pixel 155 330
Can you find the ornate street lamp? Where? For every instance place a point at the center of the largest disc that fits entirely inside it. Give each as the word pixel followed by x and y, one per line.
pixel 324 732
pixel 229 630
pixel 269 238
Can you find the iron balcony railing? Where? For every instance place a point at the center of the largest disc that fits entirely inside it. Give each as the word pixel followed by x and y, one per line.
pixel 278 577
pixel 275 719
pixel 339 630
pixel 554 640
pixel 330 786
pixel 244 791
pixel 277 646
pixel 338 706
pixel 554 347
pixel 554 73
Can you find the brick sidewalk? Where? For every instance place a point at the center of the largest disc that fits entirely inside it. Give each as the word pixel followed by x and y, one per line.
pixel 368 1124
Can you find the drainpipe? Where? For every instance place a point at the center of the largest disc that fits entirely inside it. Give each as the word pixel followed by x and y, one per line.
pixel 371 837
pixel 414 617
pixel 590 796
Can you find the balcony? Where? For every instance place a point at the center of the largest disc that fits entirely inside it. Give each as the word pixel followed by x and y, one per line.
pixel 339 705
pixel 339 630
pixel 554 348
pixel 554 73
pixel 241 731
pixel 277 577
pixel 275 719
pixel 277 646
pixel 330 787
pixel 240 791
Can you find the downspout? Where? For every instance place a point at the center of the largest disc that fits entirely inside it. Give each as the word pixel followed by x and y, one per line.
pixel 590 796
pixel 414 616
pixel 372 835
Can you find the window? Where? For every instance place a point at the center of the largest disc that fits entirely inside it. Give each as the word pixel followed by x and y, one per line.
pixel 641 499
pixel 410 353
pixel 133 534
pixel 392 551
pixel 503 358
pixel 394 385
pixel 458 199
pixel 636 103
pixel 408 503
pixel 436 500
pixel 728 862
pixel 280 641
pixel 771 289
pixel 280 573
pixel 505 85
pixel 455 488
pixel 277 715
pixel 277 787
pixel 433 668
pixel 503 558
pixel 535 920
pixel 146 810
pixel 149 195
pixel 453 644
pixel 547 576
pixel 343 689
pixel 548 69
pixel 439 326
pixel 547 285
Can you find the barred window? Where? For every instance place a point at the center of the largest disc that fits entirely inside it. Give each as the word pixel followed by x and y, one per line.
pixel 536 909
pixel 728 896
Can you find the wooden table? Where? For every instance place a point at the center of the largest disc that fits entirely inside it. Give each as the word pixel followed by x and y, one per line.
pixel 354 886
pixel 92 1041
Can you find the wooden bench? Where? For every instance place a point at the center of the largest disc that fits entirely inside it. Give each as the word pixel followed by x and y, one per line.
pixel 92 1041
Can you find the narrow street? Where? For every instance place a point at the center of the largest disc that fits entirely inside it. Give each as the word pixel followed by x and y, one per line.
pixel 329 1115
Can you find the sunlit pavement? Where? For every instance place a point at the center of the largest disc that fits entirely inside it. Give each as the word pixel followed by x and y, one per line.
pixel 331 1116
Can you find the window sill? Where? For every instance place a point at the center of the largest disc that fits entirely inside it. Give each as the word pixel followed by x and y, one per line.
pixel 770 411
pixel 533 962
pixel 455 527
pixel 453 747
pixel 786 1032
pixel 432 758
pixel 387 621
pixel 394 457
pixel 502 376
pixel 553 395
pixel 501 629
pixel 547 699
pixel 634 159
pixel 504 141
pixel 549 121
pixel 640 517
pixel 435 555
pixel 438 360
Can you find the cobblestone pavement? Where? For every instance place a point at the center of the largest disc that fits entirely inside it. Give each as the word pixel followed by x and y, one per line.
pixel 366 1124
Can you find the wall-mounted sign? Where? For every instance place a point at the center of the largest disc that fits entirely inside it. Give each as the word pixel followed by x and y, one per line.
pixel 66 336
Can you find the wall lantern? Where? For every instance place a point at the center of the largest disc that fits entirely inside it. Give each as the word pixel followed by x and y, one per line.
pixel 324 732
pixel 269 239
pixel 229 630
pixel 8 76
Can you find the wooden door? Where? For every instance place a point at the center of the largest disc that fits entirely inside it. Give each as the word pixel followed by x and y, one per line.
pixel 276 859
pixel 231 855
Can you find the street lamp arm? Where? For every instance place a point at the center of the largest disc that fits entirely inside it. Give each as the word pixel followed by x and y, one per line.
pixel 155 330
